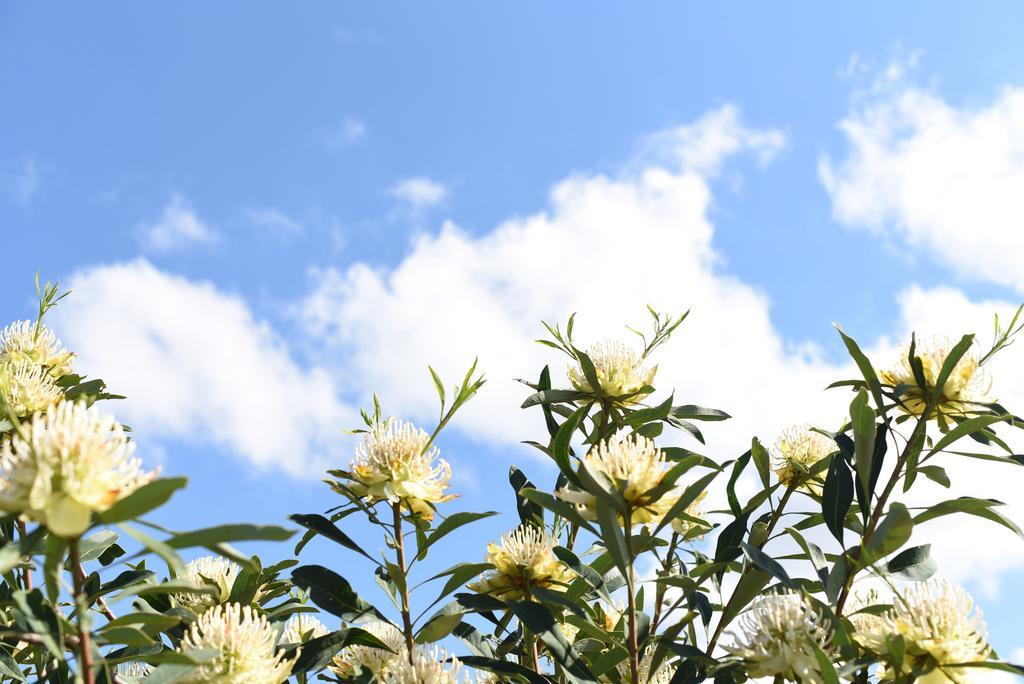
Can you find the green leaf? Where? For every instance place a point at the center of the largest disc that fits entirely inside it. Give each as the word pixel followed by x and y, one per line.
pixel 93 546
pixel 229 533
pixel 551 396
pixel 689 495
pixel 730 490
pixel 693 412
pixel 862 417
pixel 530 513
pixel 441 623
pixel 949 363
pixel 560 442
pixel 837 496
pixel 590 577
pixel 316 654
pixel 762 461
pixel 936 474
pixel 325 528
pixel 438 385
pixel 507 670
pixel 893 532
pixel 13 551
pixel 971 506
pixel 539 620
pixel 867 370
pixel 449 525
pixel 613 538
pixel 142 500
pixel 968 427
pixel 762 560
pixel 915 564
pixel 333 593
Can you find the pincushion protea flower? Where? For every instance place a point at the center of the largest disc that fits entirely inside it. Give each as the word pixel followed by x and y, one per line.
pixel 377 661
pixel 396 463
pixel 27 387
pixel 967 384
pixel 796 451
pixel 302 628
pixel 246 646
pixel 620 373
pixel 23 341
pixel 523 560
pixel 68 464
pixel 428 666
pixel 634 466
pixel 940 627
pixel 780 635
pixel 208 571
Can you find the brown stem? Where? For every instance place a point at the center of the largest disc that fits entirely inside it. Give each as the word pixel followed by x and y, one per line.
pixel 400 550
pixel 772 522
pixel 84 644
pixel 80 575
pixel 876 513
pixel 26 572
pixel 634 651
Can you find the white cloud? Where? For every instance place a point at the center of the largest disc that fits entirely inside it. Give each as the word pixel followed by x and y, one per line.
pixel 946 180
pixel 350 130
pixel 196 365
pixel 274 220
pixel 177 227
pixel 419 193
pixel 19 179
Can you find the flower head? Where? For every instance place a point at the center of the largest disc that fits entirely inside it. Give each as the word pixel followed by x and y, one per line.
pixel 525 559
pixel 27 387
pixel 796 451
pixel 633 466
pixel 302 628
pixel 620 373
pixel 781 635
pixel 967 384
pixel 428 666
pixel 208 571
pixel 246 646
pixel 23 341
pixel 396 463
pixel 70 463
pixel 940 627
pixel 377 661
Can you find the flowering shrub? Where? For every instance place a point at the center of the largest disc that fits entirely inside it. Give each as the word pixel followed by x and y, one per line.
pixel 815 578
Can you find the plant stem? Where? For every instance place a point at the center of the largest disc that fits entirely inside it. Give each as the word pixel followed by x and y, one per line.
pixel 84 644
pixel 76 567
pixel 400 550
pixel 772 522
pixel 26 573
pixel 634 651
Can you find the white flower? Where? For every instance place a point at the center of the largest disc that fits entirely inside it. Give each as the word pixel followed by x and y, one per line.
pixel 796 451
pixel 620 373
pixel 634 466
pixel 375 660
pixel 524 559
pixel 940 627
pixel 246 644
pixel 22 341
pixel 72 462
pixel 967 384
pixel 780 635
pixel 663 675
pixel 27 387
pixel 428 666
pixel 209 571
pixel 132 671
pixel 396 463
pixel 302 628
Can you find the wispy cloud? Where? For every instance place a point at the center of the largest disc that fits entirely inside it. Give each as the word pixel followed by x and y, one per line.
pixel 274 220
pixel 177 227
pixel 419 193
pixel 349 131
pixel 19 179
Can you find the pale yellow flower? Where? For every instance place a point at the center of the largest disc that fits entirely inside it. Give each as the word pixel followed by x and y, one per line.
pixel 246 645
pixel 27 387
pixel 301 628
pixel 687 528
pixel 379 662
pixel 396 463
pixel 940 627
pixel 524 559
pixel 796 451
pixel 780 634
pixel 620 373
pixel 216 572
pixel 21 341
pixel 634 466
pixel 967 384
pixel 71 462
pixel 132 671
pixel 428 666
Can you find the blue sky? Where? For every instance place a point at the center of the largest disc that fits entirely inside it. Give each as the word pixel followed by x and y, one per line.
pixel 266 174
